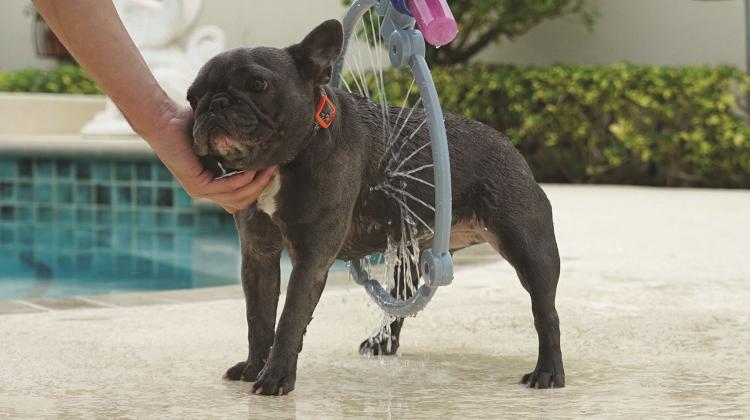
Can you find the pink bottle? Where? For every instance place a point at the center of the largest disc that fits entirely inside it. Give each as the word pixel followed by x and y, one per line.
pixel 435 20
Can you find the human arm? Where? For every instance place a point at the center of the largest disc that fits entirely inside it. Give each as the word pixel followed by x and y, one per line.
pixel 94 34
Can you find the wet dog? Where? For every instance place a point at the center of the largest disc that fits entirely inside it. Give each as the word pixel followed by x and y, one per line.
pixel 258 107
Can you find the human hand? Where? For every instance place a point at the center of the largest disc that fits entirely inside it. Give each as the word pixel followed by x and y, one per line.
pixel 172 143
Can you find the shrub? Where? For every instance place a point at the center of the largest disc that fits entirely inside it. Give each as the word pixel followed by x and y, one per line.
pixel 622 123
pixel 484 22
pixel 64 79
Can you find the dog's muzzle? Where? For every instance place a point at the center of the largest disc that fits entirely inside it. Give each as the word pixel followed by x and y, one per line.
pixel 230 118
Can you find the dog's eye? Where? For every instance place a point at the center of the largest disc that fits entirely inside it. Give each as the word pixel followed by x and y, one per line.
pixel 258 85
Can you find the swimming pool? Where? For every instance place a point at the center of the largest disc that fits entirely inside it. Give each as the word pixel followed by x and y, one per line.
pixel 82 226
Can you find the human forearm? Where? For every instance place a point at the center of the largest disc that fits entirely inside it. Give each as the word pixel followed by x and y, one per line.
pixel 93 32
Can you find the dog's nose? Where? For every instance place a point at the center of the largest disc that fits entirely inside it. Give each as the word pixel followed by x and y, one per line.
pixel 219 102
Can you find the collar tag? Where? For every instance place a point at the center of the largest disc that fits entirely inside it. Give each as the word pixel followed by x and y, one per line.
pixel 325 112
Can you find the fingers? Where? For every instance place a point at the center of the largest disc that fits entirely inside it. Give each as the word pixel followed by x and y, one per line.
pixel 228 209
pixel 245 195
pixel 228 184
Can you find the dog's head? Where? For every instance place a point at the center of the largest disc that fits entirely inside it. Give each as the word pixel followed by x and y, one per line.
pixel 254 107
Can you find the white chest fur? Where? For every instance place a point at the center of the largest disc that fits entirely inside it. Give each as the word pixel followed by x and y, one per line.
pixel 267 199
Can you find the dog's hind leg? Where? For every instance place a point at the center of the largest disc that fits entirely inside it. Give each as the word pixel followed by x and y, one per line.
pixel 525 237
pixel 386 341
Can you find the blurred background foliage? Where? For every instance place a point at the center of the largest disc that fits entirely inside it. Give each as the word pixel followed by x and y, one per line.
pixel 620 123
pixel 613 124
pixel 64 79
pixel 485 22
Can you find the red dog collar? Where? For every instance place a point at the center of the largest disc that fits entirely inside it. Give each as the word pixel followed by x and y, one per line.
pixel 325 112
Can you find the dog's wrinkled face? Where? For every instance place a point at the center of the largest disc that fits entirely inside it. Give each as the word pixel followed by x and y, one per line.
pixel 255 107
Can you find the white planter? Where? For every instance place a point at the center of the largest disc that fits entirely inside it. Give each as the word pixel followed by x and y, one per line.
pixel 46 114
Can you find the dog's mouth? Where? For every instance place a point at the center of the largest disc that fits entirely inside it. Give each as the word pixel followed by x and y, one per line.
pixel 231 128
pixel 233 139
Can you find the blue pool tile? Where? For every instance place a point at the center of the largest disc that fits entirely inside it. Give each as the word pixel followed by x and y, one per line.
pixel 7 235
pixel 83 171
pixel 124 218
pixel 24 214
pixel 123 238
pixel 43 193
pixel 26 235
pixel 25 168
pixel 8 168
pixel 64 193
pixel 123 171
pixel 65 238
pixel 102 195
pixel 184 243
pixel 65 215
pixel 164 270
pixel 165 242
pixel 144 267
pixel 84 216
pixel 7 213
pixel 26 255
pixel 143 171
pixel 146 218
pixel 182 199
pixel 208 221
pixel 143 196
pixel 164 197
pixel 145 241
pixel 123 196
pixel 185 220
pixel 44 237
pixel 65 263
pixel 104 238
pixel 104 217
pixel 84 261
pixel 123 263
pixel 162 173
pixel 43 169
pixel 83 194
pixel 45 215
pixel 7 191
pixel 25 192
pixel 165 219
pixel 101 171
pixel 84 239
pixel 44 259
pixel 64 168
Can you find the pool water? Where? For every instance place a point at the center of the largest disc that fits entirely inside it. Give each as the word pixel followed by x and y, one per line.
pixel 73 226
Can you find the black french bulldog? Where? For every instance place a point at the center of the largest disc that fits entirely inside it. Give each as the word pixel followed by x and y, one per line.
pixel 255 108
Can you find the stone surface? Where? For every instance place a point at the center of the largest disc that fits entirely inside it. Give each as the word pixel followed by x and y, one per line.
pixel 653 302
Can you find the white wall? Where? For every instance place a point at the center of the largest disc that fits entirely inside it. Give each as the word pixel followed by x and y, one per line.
pixel 276 23
pixel 670 32
pixel 665 32
pixel 247 23
pixel 16 44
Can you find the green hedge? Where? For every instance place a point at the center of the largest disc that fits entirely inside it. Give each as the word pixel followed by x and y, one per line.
pixel 64 79
pixel 622 124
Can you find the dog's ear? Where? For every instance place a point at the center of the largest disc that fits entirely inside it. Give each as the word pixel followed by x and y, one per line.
pixel 316 53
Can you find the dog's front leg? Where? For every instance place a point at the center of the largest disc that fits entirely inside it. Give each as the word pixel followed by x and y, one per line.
pixel 313 249
pixel 261 244
pixel 305 286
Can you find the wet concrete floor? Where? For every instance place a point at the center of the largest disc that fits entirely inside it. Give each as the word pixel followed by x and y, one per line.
pixel 654 302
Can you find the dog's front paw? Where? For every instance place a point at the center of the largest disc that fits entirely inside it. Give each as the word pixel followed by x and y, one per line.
pixel 275 379
pixel 379 345
pixel 243 371
pixel 543 379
